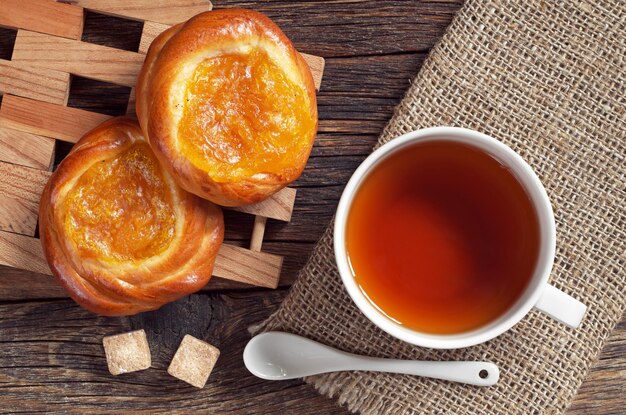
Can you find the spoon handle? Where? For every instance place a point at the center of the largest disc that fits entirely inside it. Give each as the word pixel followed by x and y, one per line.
pixel 472 373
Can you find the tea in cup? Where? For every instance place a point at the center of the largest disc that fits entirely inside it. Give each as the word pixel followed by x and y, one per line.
pixel 445 238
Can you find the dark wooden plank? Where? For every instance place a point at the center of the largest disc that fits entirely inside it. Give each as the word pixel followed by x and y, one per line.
pixel 313 210
pixel 53 349
pixel 357 27
pixel 51 358
pixel 380 76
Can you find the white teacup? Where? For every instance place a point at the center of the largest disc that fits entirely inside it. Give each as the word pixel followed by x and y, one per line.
pixel 538 293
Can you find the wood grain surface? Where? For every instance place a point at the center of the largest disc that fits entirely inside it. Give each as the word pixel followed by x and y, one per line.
pixel 43 16
pixel 81 58
pixel 26 149
pixel 20 78
pixel 20 190
pixel 163 11
pixel 51 355
pixel 48 120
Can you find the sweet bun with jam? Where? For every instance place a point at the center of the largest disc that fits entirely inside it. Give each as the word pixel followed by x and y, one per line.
pixel 118 233
pixel 228 106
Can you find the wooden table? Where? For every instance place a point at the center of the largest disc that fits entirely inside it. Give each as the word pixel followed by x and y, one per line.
pixel 51 357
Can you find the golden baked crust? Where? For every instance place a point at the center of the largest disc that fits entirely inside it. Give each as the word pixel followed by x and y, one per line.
pixel 118 233
pixel 228 105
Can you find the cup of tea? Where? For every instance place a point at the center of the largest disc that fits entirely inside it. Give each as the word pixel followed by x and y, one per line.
pixel 445 238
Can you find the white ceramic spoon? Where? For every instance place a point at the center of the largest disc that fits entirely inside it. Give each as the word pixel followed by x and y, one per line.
pixel 280 356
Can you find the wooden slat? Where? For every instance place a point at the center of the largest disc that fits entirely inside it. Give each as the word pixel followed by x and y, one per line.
pixel 233 263
pixel 20 192
pixel 21 182
pixel 20 189
pixel 45 16
pixel 316 63
pixel 80 58
pixel 19 78
pixel 161 11
pixel 49 120
pixel 258 231
pixel 150 31
pixel 22 252
pixel 278 206
pixel 18 215
pixel 26 149
pixel 243 265
pixel 130 108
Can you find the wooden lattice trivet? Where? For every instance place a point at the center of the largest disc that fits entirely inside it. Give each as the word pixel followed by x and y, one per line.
pixel 35 85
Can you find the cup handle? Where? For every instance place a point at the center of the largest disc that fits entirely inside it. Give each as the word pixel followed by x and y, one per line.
pixel 561 306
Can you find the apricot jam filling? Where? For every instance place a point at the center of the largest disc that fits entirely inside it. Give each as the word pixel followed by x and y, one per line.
pixel 121 209
pixel 243 115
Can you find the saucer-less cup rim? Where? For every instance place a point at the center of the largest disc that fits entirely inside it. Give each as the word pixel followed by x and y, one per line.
pixel 538 293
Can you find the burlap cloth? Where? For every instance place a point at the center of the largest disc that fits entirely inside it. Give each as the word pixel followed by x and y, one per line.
pixel 546 78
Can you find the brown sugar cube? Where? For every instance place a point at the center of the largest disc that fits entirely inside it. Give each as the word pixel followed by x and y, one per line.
pixel 127 352
pixel 193 361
